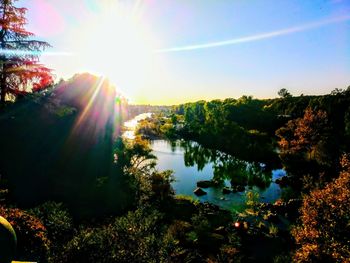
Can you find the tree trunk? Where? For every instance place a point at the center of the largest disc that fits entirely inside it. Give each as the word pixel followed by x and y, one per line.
pixel 2 88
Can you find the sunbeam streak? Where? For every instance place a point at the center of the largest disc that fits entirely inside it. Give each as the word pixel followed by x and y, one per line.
pixel 92 99
pixel 257 37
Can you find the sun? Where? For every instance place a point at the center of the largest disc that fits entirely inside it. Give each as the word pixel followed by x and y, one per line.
pixel 117 45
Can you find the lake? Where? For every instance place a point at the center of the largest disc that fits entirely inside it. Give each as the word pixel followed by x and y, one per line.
pixel 191 162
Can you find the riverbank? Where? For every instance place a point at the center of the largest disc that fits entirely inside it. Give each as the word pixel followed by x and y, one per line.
pixel 191 163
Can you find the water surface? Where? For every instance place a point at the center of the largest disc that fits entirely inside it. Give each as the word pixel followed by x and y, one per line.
pixel 172 156
pixel 192 162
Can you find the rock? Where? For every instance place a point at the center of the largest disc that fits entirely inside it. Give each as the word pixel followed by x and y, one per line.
pixel 205 183
pixel 199 191
pixel 226 190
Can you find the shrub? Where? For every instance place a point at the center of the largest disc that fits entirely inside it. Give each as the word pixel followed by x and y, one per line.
pixel 324 233
pixel 58 223
pixel 32 241
pixel 137 237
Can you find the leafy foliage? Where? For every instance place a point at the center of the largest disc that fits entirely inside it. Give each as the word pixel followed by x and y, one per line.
pixel 306 147
pixel 20 71
pixel 32 239
pixel 136 237
pixel 324 232
pixel 284 93
pixel 58 223
pixel 240 127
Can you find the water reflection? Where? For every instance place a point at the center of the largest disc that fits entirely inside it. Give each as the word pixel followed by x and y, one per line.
pixel 130 126
pixel 225 166
pixel 192 162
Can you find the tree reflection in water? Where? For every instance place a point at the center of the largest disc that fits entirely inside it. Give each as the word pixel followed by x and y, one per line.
pixel 225 166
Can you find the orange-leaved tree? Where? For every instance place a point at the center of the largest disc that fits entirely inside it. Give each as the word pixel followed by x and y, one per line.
pixel 20 70
pixel 324 231
pixel 305 147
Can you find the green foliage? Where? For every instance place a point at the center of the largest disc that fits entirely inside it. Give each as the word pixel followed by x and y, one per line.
pixel 65 111
pixel 158 126
pixel 58 223
pixel 282 258
pixel 67 150
pixel 137 237
pixel 273 230
pixel 252 201
pixel 284 93
pixel 288 193
pixel 226 167
pixel 201 226
pixel 133 156
pixel 241 127
pixel 187 198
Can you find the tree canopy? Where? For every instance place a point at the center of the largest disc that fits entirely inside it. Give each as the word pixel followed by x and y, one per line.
pixel 284 93
pixel 20 70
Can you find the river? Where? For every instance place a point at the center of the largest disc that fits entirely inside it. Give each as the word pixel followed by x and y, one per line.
pixel 191 162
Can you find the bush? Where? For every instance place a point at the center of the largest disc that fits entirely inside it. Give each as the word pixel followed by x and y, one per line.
pixel 58 223
pixel 137 237
pixel 324 233
pixel 32 241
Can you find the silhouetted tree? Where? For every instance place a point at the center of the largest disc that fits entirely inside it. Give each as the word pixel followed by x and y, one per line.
pixel 284 93
pixel 20 72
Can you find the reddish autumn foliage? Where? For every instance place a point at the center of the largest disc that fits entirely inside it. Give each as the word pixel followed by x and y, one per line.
pixel 32 242
pixel 20 72
pixel 305 146
pixel 324 233
pixel 304 134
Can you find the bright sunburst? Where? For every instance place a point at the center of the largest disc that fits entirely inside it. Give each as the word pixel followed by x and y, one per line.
pixel 116 44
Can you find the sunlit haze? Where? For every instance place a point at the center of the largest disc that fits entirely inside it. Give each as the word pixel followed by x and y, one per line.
pixel 168 52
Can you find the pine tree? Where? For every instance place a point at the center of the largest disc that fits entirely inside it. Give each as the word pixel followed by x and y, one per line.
pixel 20 71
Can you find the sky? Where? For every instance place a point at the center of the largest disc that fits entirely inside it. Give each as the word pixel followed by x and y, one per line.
pixel 176 51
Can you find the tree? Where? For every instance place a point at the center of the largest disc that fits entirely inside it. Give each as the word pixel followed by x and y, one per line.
pixel 305 145
pixel 20 71
pixel 324 232
pixel 284 93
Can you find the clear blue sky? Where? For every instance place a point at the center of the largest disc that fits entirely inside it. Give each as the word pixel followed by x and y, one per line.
pixel 306 49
